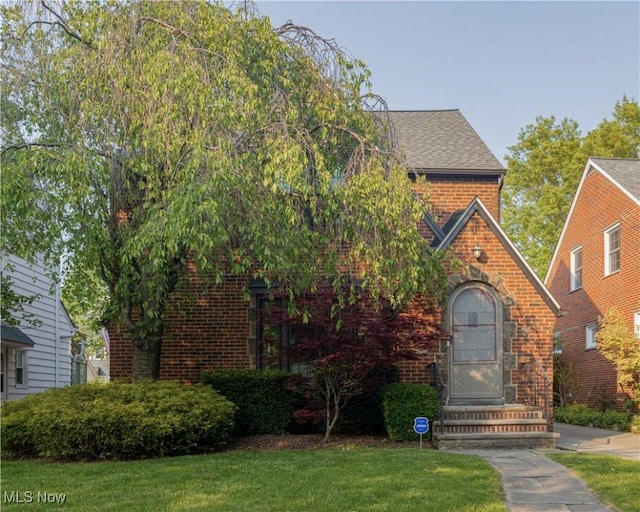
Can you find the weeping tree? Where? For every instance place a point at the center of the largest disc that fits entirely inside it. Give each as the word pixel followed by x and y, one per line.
pixel 143 140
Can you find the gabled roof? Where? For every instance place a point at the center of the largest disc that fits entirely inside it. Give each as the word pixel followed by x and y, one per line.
pixel 442 140
pixel 433 226
pixel 622 173
pixel 14 337
pixel 455 227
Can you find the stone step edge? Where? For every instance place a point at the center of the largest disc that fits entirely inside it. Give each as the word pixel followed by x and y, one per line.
pixel 491 408
pixel 495 421
pixel 494 435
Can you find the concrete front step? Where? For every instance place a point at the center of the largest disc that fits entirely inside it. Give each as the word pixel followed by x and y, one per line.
pixel 491 412
pixel 487 426
pixel 501 440
pixel 490 426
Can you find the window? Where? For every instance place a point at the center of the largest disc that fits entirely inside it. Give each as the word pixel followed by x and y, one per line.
pixel 591 331
pixel 276 337
pixel 576 268
pixel 557 344
pixel 636 323
pixel 21 368
pixel 612 250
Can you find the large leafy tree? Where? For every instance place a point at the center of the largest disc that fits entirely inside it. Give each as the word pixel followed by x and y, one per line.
pixel 142 140
pixel 544 168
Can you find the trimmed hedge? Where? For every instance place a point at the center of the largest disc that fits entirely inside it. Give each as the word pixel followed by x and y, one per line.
pixel 264 404
pixel 402 403
pixel 579 414
pixel 117 421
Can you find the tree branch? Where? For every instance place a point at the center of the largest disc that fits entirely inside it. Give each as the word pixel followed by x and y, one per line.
pixel 28 145
pixel 60 23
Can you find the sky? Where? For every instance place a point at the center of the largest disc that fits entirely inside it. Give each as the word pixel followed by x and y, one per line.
pixel 501 63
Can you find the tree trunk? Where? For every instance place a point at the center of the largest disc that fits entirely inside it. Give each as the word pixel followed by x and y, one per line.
pixel 146 357
pixel 332 419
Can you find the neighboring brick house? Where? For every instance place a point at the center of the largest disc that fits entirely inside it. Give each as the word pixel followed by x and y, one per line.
pixel 596 266
pixel 498 320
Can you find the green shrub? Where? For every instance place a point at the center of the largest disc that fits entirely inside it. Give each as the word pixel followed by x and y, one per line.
pixel 402 403
pixel 363 413
pixel 579 414
pixel 264 404
pixel 117 421
pixel 576 414
pixel 635 424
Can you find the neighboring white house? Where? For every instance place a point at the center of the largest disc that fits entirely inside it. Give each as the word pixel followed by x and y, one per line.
pixel 34 357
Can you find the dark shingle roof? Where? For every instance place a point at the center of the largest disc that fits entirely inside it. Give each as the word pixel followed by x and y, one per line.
pixel 442 140
pixel 625 171
pixel 13 334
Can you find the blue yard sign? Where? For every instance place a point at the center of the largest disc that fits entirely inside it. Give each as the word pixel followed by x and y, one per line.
pixel 421 426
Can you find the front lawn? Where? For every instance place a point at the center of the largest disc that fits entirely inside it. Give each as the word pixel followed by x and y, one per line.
pixel 363 479
pixel 615 480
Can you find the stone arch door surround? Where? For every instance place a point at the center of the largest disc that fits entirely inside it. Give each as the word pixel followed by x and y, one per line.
pixel 477 354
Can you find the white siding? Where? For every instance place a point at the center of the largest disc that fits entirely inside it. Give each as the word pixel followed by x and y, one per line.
pixel 49 360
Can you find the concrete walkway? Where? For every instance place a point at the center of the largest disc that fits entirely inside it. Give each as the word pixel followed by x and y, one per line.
pixel 535 483
pixel 597 440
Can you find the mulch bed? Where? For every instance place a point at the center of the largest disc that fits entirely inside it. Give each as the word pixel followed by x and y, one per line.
pixel 315 442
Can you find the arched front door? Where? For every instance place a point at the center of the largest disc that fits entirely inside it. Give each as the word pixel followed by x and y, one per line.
pixel 475 354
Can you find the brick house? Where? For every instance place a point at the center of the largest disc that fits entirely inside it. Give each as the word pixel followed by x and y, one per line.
pixel 596 266
pixel 496 354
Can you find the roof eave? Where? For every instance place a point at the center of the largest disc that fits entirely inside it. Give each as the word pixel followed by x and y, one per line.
pixel 13 337
pixel 458 172
pixel 477 206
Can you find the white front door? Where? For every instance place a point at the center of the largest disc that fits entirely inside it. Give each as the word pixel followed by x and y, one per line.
pixel 475 354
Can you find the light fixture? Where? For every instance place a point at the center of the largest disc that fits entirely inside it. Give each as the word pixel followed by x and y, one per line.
pixel 477 251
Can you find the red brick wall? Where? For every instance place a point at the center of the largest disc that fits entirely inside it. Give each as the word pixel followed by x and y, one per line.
pixel 600 205
pixel 449 194
pixel 205 329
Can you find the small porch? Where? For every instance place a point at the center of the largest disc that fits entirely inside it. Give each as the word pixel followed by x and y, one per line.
pixel 492 423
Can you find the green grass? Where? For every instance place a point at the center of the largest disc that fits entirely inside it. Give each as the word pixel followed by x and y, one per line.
pixel 364 479
pixel 615 480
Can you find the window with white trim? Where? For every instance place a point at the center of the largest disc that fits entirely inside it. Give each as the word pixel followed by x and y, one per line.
pixel 576 268
pixel 21 368
pixel 612 250
pixel 590 337
pixel 636 323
